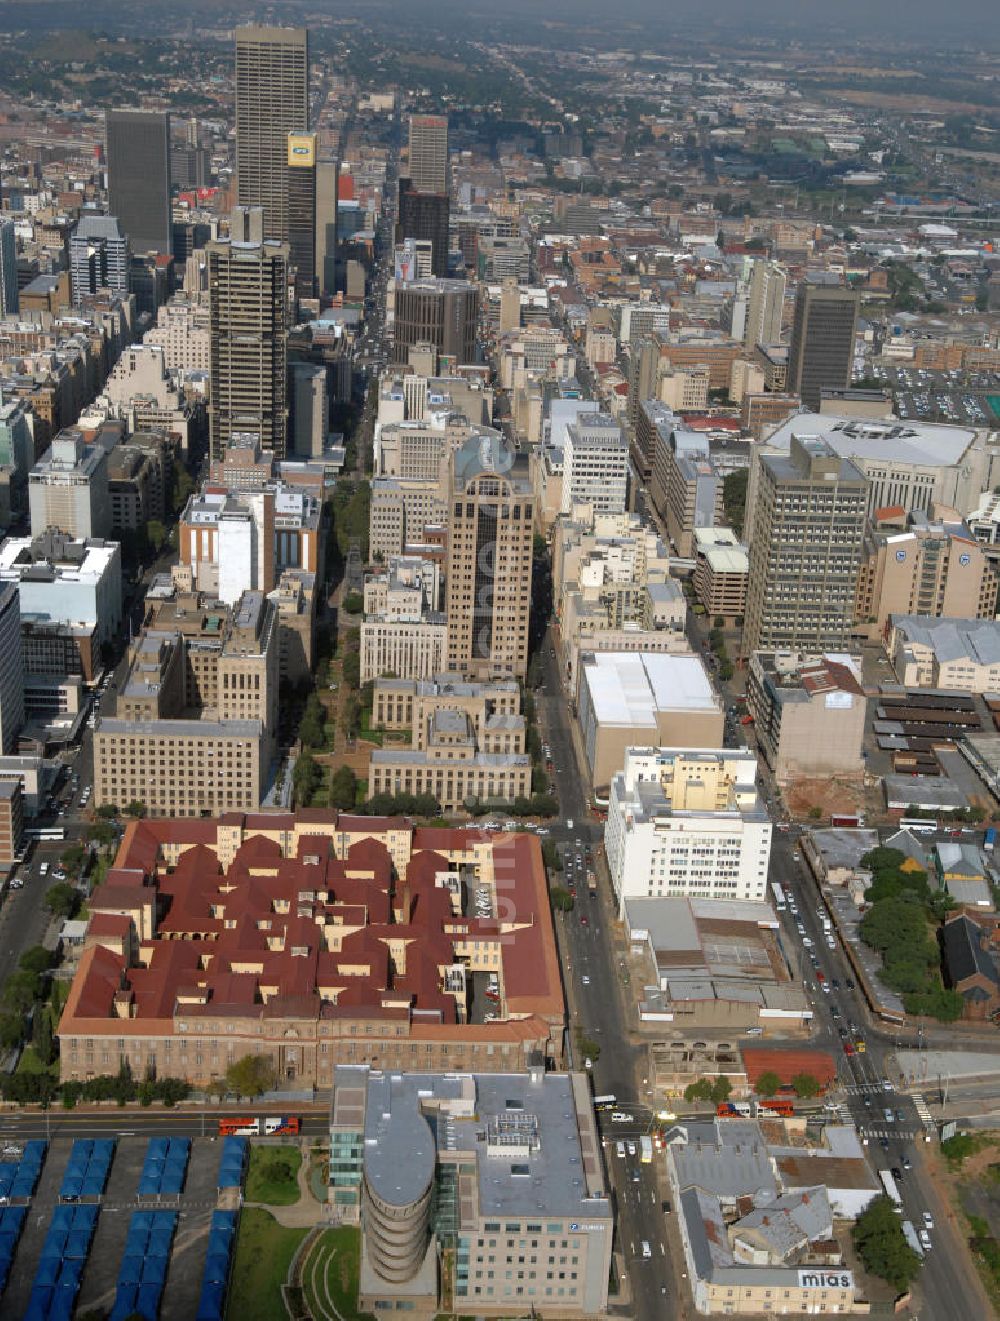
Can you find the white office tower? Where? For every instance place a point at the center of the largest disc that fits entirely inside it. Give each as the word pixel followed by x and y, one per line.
pixel 687 822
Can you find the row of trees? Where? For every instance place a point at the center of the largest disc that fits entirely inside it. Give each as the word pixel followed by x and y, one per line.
pixel 882 1247
pixel 44 1088
pixel 22 1002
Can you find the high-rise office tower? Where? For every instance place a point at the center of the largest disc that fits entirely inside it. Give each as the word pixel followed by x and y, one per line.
pixel 9 302
pixel 767 296
pixel 424 216
pixel 326 224
pixel 302 211
pixel 822 348
pixel 248 326
pixel 805 552
pixel 11 669
pixel 99 255
pixel 310 409
pixel 139 176
pixel 441 312
pixel 643 369
pixel 272 100
pixel 429 153
pixel 510 305
pixel 489 559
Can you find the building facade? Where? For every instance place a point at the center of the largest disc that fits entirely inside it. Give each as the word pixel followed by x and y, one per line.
pixel 138 144
pixel 488 579
pixel 248 321
pixel 68 489
pixel 808 712
pixel 822 347
pixel 272 101
pixel 805 548
pixel 687 822
pixel 428 151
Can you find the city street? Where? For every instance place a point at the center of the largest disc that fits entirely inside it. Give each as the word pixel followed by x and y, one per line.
pixel 886 1118
pixel 593 971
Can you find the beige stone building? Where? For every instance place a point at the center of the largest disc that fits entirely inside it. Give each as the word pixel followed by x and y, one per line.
pixel 642 700
pixel 407 648
pixel 686 485
pixel 488 579
pixel 684 387
pixel 745 378
pixel 913 565
pixel 958 654
pixel 809 713
pixel 400 510
pixel 467 741
pixel 195 720
pixel 720 572
pixel 295 600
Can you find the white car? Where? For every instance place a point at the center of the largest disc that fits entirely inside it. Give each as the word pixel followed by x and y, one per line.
pixel 925 1240
pixel 807 941
pixel 631 1148
pixel 928 1220
pixel 585 980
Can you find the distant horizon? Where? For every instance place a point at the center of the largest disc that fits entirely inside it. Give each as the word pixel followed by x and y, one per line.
pixel 902 23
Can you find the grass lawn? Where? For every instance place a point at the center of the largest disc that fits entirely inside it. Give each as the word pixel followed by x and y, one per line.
pixel 264 1252
pixel 273 1175
pixel 330 1276
pixel 30 1063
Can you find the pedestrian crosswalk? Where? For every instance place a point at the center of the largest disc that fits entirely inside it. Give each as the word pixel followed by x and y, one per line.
pixel 923 1109
pixel 863 1088
pixel 894 1134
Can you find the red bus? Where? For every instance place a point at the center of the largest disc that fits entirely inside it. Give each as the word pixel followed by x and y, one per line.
pixel 239 1128
pixel 774 1109
pixel 250 1127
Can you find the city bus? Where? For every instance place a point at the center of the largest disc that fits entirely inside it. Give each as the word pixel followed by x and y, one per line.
pixel 779 896
pixel 249 1126
pixel 45 832
pixel 891 1191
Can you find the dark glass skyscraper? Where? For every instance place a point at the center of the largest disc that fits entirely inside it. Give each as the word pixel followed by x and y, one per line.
pixel 139 176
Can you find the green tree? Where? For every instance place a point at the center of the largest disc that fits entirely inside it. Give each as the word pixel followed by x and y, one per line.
pixel 251 1075
pixel 41 1036
pixel 156 535
pixel 108 811
pixel 884 1251
pixel 550 854
pixel 562 900
pixel 20 991
pixel 352 669
pixel 343 789
pixel 37 961
pixel 699 1091
pixel 805 1085
pixel 73 857
pixel 306 779
pixel 721 1089
pixel 354 603
pixel 11 1030
pixel 734 498
pixel 768 1084
pixel 312 727
pixel 136 809
pixel 62 900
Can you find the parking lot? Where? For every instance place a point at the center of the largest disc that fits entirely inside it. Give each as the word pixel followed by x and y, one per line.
pixel 195 1206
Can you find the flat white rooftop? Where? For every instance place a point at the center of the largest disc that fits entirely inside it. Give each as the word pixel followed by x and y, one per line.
pixel 629 688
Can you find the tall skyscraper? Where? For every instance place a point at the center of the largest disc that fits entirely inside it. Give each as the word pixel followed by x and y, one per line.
pixel 272 100
pixel 326 224
pixel 489 559
pixel 11 669
pixel 767 296
pixel 99 256
pixel 805 552
pixel 139 176
pixel 248 325
pixel 429 153
pixel 424 216
pixel 822 348
pixel 302 211
pixel 9 302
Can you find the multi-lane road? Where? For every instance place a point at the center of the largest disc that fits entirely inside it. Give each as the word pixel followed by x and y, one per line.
pixel 594 970
pixel 887 1119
